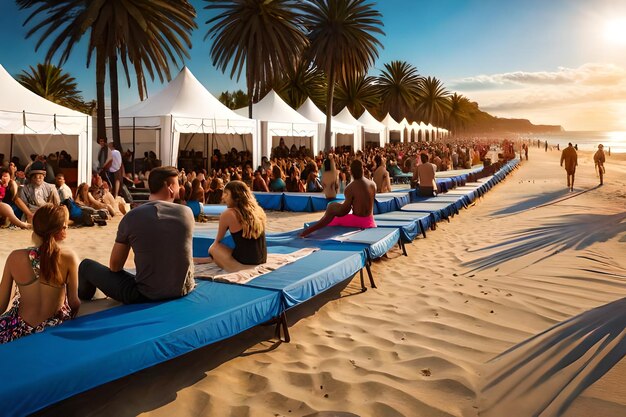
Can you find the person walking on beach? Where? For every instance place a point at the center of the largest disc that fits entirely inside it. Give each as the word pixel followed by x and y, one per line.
pixel 570 157
pixel 160 234
pixel 359 195
pixel 599 158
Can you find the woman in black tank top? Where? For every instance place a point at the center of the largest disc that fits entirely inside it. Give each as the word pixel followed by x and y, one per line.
pixel 245 220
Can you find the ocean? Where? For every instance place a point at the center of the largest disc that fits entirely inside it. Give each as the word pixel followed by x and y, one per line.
pixel 587 141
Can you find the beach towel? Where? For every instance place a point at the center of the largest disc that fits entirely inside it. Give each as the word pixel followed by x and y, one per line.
pixel 274 261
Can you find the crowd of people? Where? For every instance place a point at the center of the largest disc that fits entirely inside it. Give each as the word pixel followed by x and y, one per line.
pixel 50 281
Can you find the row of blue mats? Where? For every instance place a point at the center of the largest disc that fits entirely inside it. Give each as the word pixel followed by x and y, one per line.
pixel 94 349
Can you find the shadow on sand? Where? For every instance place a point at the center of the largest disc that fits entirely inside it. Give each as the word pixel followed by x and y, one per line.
pixel 576 231
pixel 544 374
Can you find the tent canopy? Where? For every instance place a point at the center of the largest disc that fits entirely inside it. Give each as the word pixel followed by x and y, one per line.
pixel 185 106
pixel 373 127
pixel 279 119
pixel 23 112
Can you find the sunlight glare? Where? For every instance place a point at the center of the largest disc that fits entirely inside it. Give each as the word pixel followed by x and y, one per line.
pixel 615 31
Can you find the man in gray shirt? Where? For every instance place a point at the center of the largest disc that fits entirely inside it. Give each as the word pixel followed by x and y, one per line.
pixel 160 234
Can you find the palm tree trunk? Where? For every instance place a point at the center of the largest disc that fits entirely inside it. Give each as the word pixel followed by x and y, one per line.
pixel 249 85
pixel 329 107
pixel 115 102
pixel 100 79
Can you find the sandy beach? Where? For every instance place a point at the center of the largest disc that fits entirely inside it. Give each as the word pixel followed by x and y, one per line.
pixel 516 307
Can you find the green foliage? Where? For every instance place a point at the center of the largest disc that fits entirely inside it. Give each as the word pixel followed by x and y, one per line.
pixel 343 41
pixel 271 39
pixel 357 93
pixel 399 85
pixel 51 83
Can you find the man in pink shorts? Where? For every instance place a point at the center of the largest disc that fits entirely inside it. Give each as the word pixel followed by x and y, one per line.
pixel 359 198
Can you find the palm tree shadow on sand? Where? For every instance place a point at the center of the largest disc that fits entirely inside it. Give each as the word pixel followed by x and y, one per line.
pixel 577 231
pixel 543 375
pixel 540 200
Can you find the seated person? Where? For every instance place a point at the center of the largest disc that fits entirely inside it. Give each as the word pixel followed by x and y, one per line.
pixel 424 177
pixel 46 277
pixel 216 189
pixel 245 220
pixel 381 176
pixel 330 178
pixel 359 197
pixel 84 198
pixel 36 193
pixel 8 209
pixel 160 234
pixel 258 183
pixel 277 183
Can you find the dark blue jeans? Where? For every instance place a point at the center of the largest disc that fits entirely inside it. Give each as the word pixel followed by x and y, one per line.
pixel 120 286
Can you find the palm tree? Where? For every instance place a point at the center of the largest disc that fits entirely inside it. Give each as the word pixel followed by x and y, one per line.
pixel 357 93
pixel 51 83
pixel 262 36
pixel 235 100
pixel 432 102
pixel 343 41
pixel 301 81
pixel 399 84
pixel 460 112
pixel 145 33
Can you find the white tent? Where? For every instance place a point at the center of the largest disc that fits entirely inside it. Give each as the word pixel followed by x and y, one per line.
pixel 431 130
pixel 393 126
pixel 184 106
pixel 344 116
pixel 415 130
pixel 340 131
pixel 373 128
pixel 278 120
pixel 406 129
pixel 31 124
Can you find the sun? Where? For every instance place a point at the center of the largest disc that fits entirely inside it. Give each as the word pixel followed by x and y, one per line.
pixel 615 31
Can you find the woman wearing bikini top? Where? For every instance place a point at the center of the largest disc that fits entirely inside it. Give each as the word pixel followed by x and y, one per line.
pixel 45 277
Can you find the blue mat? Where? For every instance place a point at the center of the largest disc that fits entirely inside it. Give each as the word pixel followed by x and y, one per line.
pixel 80 354
pixel 213 209
pixel 441 210
pixel 270 201
pixel 305 278
pixel 424 220
pixel 408 228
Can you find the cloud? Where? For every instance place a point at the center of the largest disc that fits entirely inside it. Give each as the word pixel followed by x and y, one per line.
pixel 588 74
pixel 556 96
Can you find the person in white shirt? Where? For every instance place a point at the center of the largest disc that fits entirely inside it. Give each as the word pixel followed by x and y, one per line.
pixel 64 191
pixel 115 170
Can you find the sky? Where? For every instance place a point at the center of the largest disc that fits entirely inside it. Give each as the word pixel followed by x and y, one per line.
pixel 559 62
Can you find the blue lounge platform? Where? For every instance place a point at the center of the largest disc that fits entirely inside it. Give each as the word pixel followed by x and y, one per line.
pixel 94 349
pixel 110 344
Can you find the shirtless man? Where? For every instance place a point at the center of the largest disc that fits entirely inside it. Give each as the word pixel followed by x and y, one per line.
pixel 359 197
pixel 381 176
pixel 424 177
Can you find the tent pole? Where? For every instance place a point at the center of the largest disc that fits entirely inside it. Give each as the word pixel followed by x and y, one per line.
pixel 133 156
pixel 11 148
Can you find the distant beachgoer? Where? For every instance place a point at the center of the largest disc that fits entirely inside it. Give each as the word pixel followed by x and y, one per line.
pixel 576 146
pixel 245 220
pixel 599 159
pixel 359 198
pixel 558 147
pixel 609 151
pixel 381 176
pixel 424 177
pixel 330 178
pixel 546 146
pixel 526 151
pixel 160 234
pixel 45 277
pixel 570 157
